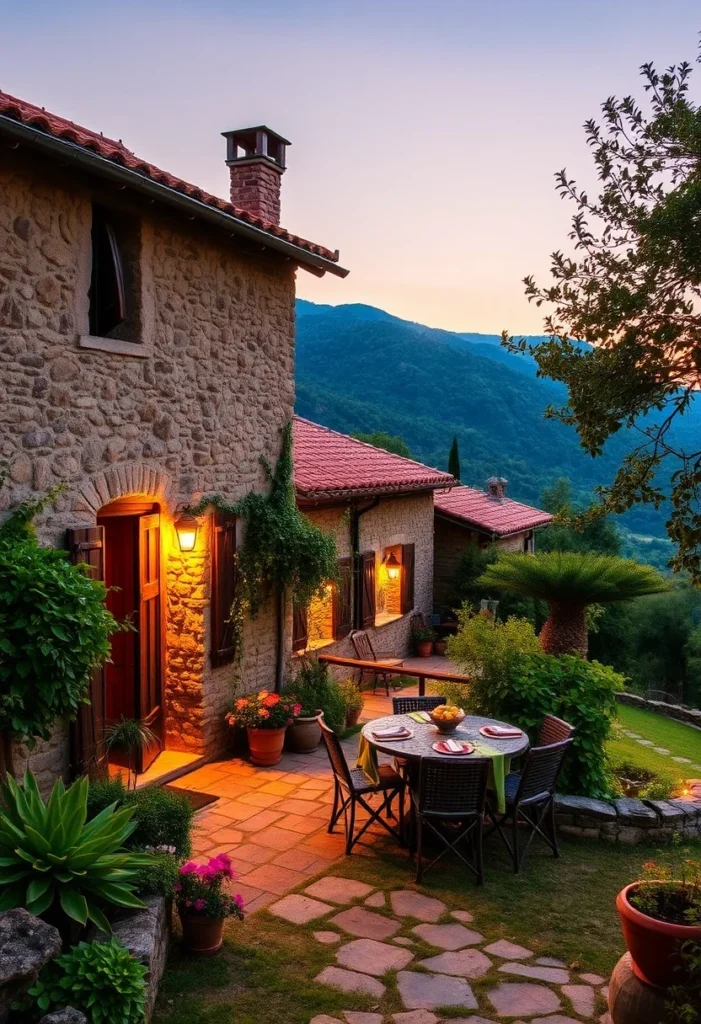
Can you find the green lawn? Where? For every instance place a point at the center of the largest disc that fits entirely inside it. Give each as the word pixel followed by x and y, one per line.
pixel 265 971
pixel 681 741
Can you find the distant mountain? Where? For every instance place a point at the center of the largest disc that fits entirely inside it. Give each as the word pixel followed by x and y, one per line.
pixel 360 369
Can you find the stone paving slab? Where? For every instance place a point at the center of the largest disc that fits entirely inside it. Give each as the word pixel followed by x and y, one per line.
pixel 591 979
pixel 508 950
pixel 468 963
pixel 350 981
pixel 429 991
pixel 377 899
pixel 365 924
pixel 356 1017
pixel 415 1017
pixel 371 957
pixel 462 915
pixel 299 909
pixel 448 936
pixel 407 903
pixel 552 961
pixel 553 975
pixel 582 998
pixel 512 998
pixel 327 938
pixel 338 890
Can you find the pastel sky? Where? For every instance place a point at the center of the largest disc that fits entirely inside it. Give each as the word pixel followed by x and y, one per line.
pixel 425 134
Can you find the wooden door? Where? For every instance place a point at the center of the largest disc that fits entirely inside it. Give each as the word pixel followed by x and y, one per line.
pixel 150 676
pixel 87 751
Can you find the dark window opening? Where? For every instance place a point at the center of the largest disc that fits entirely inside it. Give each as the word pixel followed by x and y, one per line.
pixel 107 300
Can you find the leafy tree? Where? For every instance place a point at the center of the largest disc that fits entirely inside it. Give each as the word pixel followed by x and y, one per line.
pixel 633 291
pixel 390 442
pixel 597 534
pixel 465 587
pixel 454 460
pixel 569 582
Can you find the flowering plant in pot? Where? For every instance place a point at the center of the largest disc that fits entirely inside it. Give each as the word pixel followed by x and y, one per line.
pixel 266 717
pixel 659 913
pixel 203 904
pixel 422 638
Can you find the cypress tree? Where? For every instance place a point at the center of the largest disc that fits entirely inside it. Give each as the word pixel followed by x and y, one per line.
pixel 454 460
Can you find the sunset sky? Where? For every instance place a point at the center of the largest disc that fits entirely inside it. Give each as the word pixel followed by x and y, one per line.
pixel 425 134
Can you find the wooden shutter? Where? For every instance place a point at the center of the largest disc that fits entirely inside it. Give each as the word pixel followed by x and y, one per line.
pixel 407 588
pixel 223 547
pixel 150 634
pixel 368 591
pixel 342 604
pixel 87 752
pixel 300 627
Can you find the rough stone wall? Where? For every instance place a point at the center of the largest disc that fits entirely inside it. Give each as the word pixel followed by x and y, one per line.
pixel 628 820
pixel 450 541
pixel 394 521
pixel 208 396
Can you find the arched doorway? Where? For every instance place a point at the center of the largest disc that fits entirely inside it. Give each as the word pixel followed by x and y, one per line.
pixel 133 680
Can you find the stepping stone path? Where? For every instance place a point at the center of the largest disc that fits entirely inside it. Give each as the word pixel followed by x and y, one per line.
pixel 369 953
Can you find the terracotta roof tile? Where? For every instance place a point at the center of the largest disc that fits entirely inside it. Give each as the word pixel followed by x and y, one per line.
pixel 330 465
pixel 477 509
pixel 117 152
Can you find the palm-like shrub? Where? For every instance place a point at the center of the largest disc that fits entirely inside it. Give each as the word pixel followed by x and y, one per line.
pixel 53 859
pixel 570 581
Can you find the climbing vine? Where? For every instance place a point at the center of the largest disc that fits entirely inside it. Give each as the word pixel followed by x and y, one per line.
pixel 282 549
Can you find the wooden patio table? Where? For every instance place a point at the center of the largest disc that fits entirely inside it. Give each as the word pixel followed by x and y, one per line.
pixel 396 670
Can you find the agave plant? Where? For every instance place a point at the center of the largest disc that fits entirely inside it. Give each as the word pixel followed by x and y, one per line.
pixel 570 581
pixel 52 858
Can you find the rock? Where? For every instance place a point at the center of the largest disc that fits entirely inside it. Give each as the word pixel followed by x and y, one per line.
pixel 26 944
pixel 38 439
pixel 448 936
pixel 508 950
pixel 468 963
pixel 415 1017
pixel 64 369
pixel 591 979
pixel 365 924
pixel 551 961
pixel 299 909
pixel 554 975
pixel 349 981
pixel 402 940
pixel 667 811
pixel 21 469
pixel 462 915
pixel 338 890
pixel 407 903
pixel 583 805
pixel 420 991
pixel 66 1016
pixel 327 938
pixel 512 998
pixel 371 957
pixel 376 900
pixel 356 1017
pixel 582 997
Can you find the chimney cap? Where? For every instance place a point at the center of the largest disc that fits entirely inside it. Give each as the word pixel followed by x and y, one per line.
pixel 496 487
pixel 256 143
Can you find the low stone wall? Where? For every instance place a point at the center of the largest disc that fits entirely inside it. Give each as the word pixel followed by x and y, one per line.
pixel 146 934
pixel 627 820
pixel 689 715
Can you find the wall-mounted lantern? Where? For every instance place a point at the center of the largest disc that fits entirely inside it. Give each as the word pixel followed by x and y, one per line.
pixel 392 565
pixel 186 527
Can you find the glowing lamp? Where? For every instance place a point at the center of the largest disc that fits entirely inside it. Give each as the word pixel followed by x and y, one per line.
pixel 186 527
pixel 392 565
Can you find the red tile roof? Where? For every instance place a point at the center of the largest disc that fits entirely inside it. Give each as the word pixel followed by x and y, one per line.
pixel 477 509
pixel 332 465
pixel 117 152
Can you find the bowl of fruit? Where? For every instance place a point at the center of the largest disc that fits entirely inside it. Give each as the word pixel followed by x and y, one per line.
pixel 447 717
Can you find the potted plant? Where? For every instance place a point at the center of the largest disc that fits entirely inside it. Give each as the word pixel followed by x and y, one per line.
pixel 127 739
pixel 352 700
pixel 422 638
pixel 659 914
pixel 266 717
pixel 318 694
pixel 203 904
pixel 440 645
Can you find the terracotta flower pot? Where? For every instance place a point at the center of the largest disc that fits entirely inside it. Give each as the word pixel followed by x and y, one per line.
pixel 266 745
pixel 653 945
pixel 304 735
pixel 201 934
pixel 352 718
pixel 439 646
pixel 424 648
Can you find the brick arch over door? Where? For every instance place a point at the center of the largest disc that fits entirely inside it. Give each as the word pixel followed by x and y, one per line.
pixel 125 479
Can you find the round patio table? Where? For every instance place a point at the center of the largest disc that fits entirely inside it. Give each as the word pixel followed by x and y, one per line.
pixel 425 735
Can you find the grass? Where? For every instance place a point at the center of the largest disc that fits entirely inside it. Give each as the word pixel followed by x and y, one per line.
pixel 681 741
pixel 563 908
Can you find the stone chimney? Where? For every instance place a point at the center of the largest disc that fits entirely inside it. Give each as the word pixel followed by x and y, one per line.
pixel 496 488
pixel 256 161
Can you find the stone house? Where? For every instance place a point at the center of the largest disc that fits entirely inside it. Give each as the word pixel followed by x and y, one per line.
pixel 146 358
pixel 379 507
pixel 465 516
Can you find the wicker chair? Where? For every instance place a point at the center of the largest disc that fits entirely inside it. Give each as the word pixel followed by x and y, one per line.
pixel 405 705
pixel 553 730
pixel 351 787
pixel 366 652
pixel 449 802
pixel 530 800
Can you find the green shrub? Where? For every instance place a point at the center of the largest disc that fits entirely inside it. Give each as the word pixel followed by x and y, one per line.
pixel 457 694
pixel 315 690
pixel 162 817
pixel 101 979
pixel 52 858
pixel 656 785
pixel 486 651
pixel 158 877
pixel 581 692
pixel 351 695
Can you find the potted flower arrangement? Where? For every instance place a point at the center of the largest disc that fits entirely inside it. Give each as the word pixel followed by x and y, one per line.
pixel 203 904
pixel 266 717
pixel 422 638
pixel 352 700
pixel 659 913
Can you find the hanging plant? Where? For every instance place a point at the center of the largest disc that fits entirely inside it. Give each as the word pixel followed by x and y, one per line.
pixel 282 549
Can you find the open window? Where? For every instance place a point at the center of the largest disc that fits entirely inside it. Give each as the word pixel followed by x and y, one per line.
pixel 395 591
pixel 314 625
pixel 115 276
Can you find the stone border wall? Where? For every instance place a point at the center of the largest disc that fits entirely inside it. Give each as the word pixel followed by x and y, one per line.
pixel 691 716
pixel 627 820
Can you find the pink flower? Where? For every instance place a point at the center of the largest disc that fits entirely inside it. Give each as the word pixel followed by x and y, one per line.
pixel 189 869
pixel 199 904
pixel 178 887
pixel 296 709
pixel 238 900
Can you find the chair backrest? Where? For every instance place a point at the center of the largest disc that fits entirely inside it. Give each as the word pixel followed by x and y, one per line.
pixel 362 645
pixel 453 787
pixel 541 769
pixel 403 705
pixel 553 730
pixel 335 752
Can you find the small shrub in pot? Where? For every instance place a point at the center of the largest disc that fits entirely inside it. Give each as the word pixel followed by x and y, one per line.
pixel 422 638
pixel 352 700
